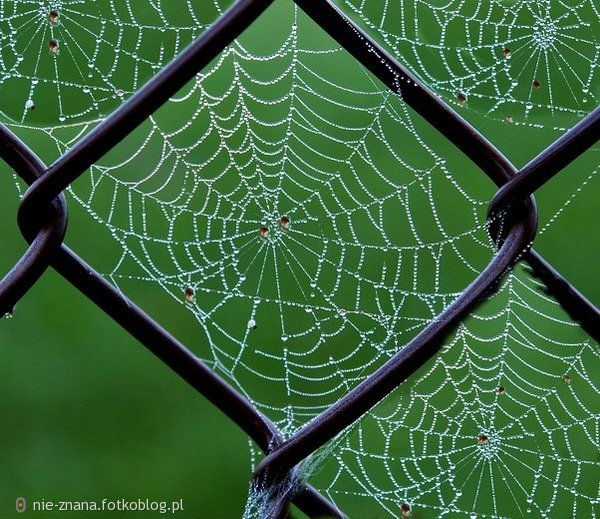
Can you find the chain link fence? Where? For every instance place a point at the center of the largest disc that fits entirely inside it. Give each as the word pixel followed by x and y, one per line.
pixel 512 221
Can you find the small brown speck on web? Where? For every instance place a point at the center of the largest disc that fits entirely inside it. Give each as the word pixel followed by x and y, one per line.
pixel 189 295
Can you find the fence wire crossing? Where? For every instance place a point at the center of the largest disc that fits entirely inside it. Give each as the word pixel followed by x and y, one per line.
pixel 512 219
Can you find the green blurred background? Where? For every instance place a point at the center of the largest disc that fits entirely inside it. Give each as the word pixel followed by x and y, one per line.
pixel 86 412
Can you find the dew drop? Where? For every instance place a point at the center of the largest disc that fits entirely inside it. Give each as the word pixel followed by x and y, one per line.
pixel 482 439
pixel 8 315
pixel 500 390
pixel 62 118
pixel 284 222
pixel 567 378
pixel 252 324
pixel 461 98
pixel 506 52
pixel 264 232
pixel 53 46
pixel 189 295
pixel 529 500
pixel 53 17
pixel 509 120
pixel 29 105
pixel 405 509
pixel 284 338
pixel 536 84
pixel 585 90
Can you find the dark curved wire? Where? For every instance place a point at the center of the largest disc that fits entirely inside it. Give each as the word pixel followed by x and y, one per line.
pixel 578 307
pixel 42 243
pixel 548 163
pixel 141 105
pixel 531 177
pixel 156 339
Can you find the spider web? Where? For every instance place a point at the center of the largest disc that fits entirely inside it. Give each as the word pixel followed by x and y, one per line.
pixel 517 61
pixel 532 66
pixel 503 423
pixel 261 207
pixel 77 60
pixel 311 224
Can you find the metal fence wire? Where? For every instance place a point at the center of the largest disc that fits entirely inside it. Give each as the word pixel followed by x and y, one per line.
pixel 512 217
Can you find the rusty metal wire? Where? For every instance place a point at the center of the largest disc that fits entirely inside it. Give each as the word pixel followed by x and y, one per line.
pixel 42 218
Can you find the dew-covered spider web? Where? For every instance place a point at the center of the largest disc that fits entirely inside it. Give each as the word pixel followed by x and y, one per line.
pixel 512 68
pixel 519 61
pixel 76 60
pixel 308 224
pixel 503 423
pixel 276 211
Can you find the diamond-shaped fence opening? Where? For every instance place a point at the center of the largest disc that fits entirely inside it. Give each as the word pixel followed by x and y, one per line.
pixel 289 187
